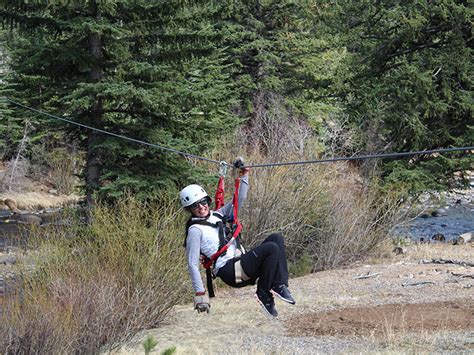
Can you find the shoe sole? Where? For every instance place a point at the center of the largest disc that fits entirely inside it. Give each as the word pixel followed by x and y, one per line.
pixel 265 308
pixel 282 298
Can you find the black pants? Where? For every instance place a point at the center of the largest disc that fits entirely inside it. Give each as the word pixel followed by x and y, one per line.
pixel 267 263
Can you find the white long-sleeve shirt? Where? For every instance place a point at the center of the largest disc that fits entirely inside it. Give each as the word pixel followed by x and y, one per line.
pixel 205 240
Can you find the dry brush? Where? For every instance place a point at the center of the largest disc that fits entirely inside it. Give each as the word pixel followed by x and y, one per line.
pixel 94 286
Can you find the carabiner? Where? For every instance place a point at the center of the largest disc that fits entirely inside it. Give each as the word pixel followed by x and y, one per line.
pixel 223 168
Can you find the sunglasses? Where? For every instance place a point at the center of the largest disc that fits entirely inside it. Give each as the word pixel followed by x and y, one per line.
pixel 204 202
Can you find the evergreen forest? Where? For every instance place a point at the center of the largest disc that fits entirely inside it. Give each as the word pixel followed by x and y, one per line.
pixel 363 77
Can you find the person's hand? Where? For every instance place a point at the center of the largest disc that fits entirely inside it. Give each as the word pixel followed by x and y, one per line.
pixel 239 163
pixel 201 303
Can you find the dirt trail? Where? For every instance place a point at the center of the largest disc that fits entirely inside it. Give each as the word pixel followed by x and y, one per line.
pixel 406 306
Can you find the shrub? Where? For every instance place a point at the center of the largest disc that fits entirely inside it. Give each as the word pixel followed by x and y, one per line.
pixel 64 170
pixel 323 211
pixel 93 287
pixel 56 166
pixel 331 213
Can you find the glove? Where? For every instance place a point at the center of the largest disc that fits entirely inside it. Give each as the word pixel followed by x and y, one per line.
pixel 201 303
pixel 239 163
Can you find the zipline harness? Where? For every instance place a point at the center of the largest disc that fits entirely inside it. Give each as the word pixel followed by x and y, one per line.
pixel 227 234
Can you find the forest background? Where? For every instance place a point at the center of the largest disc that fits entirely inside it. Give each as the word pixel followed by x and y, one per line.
pixel 270 80
pixel 363 77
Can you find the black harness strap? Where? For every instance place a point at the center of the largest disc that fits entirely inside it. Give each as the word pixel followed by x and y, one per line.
pixel 210 286
pixel 222 241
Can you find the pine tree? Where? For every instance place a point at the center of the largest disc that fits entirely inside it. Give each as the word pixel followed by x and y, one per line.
pixel 150 70
pixel 10 121
pixel 285 64
pixel 409 87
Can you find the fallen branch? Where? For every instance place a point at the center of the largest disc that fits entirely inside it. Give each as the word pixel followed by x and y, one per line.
pixel 419 283
pixel 447 261
pixel 466 276
pixel 19 155
pixel 366 276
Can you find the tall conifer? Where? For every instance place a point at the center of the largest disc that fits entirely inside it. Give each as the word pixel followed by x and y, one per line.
pixel 150 70
pixel 410 87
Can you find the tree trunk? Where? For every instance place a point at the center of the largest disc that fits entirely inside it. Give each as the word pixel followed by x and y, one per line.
pixel 93 164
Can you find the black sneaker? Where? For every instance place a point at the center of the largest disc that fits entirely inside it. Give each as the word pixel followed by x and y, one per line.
pixel 283 293
pixel 267 303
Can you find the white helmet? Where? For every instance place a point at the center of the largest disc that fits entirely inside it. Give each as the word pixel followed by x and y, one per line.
pixel 191 194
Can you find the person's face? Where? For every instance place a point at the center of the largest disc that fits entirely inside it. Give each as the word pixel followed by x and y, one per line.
pixel 200 208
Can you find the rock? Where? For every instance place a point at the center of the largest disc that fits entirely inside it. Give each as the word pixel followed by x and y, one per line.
pixel 439 212
pixel 463 238
pixel 462 201
pixel 439 237
pixel 11 204
pixel 53 192
pixel 51 210
pixel 399 250
pixel 28 218
pixel 8 259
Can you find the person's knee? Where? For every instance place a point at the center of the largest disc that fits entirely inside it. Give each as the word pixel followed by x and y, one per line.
pixel 277 238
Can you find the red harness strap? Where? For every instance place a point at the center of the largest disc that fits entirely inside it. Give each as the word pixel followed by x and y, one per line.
pixel 236 226
pixel 219 197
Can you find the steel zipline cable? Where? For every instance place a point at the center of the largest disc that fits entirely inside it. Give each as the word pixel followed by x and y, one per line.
pixel 364 157
pixel 303 162
pixel 113 134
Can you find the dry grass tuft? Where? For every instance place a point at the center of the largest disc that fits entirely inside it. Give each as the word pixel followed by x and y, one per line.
pixel 93 287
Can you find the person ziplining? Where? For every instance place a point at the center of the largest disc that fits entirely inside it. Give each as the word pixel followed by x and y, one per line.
pixel 222 252
pixel 215 234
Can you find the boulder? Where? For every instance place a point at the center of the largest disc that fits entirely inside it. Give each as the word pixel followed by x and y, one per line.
pixel 439 212
pixel 399 250
pixel 8 259
pixel 11 204
pixel 28 218
pixel 438 237
pixel 464 238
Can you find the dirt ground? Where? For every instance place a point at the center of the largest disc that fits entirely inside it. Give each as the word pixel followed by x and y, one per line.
pixel 398 304
pixel 369 321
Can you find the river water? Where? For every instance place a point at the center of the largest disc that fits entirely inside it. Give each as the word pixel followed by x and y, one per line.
pixel 453 221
